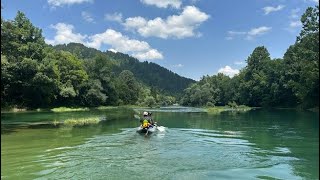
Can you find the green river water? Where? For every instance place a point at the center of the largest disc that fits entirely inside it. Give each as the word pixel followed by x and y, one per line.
pixel 259 144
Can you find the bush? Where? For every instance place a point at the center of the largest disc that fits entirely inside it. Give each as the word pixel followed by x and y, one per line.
pixel 210 104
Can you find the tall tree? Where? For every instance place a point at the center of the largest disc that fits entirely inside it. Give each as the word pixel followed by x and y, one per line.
pixel 127 87
pixel 19 38
pixel 302 61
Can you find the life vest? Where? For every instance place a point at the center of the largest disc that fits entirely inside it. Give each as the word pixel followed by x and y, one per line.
pixel 145 123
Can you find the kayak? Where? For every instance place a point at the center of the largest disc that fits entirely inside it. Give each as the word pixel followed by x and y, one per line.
pixel 150 129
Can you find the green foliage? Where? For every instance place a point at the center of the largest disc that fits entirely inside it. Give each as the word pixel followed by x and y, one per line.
pixel 302 62
pixel 152 74
pixel 233 104
pixel 150 101
pixel 93 95
pixel 20 39
pixel 310 22
pixel 127 87
pixel 288 82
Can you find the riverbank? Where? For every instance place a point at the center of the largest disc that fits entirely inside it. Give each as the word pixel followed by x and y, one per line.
pixel 65 109
pixel 216 109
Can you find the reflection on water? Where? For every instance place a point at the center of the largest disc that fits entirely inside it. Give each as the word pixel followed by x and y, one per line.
pixel 253 145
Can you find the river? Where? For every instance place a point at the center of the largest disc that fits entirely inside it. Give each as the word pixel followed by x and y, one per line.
pixel 258 144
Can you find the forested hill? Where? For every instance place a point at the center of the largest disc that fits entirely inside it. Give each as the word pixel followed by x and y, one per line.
pixel 35 74
pixel 151 74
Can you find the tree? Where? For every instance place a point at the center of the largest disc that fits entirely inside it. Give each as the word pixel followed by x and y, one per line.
pixel 128 87
pixel 93 95
pixel 302 61
pixel 150 101
pixel 20 39
pixel 254 87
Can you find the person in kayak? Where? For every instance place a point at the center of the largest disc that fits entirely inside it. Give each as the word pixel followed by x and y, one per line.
pixel 146 120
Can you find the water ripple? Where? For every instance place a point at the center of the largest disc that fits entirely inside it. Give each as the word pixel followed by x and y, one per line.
pixel 181 154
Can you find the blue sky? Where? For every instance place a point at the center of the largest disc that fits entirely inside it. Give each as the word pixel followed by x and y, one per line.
pixel 190 37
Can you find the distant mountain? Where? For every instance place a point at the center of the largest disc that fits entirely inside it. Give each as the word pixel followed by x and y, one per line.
pixel 149 73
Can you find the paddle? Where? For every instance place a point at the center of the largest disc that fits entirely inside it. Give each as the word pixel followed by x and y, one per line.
pixel 147 132
pixel 137 117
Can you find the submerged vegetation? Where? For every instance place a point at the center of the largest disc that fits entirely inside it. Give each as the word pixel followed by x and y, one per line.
pixel 65 109
pixel 219 109
pixel 78 121
pixel 81 121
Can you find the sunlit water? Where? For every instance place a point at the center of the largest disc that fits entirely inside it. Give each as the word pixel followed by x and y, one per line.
pixel 278 144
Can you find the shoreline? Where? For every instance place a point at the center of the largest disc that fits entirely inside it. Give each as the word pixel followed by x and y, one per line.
pixel 216 109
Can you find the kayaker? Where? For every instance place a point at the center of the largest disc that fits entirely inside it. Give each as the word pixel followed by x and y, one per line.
pixel 145 121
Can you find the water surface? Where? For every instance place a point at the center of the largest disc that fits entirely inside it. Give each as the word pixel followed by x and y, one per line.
pixel 259 144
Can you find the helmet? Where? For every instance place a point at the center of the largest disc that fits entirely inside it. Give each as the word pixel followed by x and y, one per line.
pixel 145 113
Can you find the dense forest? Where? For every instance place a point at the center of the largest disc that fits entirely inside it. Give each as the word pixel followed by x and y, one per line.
pixel 292 81
pixel 35 74
pixel 149 73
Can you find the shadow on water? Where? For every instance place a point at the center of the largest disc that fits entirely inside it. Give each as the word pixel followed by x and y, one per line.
pixel 7 129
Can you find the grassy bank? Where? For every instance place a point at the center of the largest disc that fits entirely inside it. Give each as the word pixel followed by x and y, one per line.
pixel 64 109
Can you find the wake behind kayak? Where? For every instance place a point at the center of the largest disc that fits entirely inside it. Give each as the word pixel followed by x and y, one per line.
pixel 146 130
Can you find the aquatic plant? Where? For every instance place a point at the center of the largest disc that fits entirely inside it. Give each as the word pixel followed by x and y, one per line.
pixel 65 109
pixel 81 121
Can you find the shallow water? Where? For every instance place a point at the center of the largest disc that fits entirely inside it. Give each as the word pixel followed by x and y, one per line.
pixel 259 144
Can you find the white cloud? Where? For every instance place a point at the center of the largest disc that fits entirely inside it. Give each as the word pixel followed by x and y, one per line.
pixel 270 9
pixel 294 24
pixel 178 65
pixel 65 34
pixel 257 31
pixel 113 17
pixel 55 3
pixel 163 3
pixel 315 1
pixel 250 34
pixel 112 50
pixel 134 22
pixel 294 21
pixel 176 26
pixel 87 16
pixel 294 13
pixel 239 63
pixel 117 41
pixel 236 32
pixel 227 70
pixel 150 54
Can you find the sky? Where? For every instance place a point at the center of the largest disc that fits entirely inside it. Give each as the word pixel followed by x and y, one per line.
pixel 192 38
